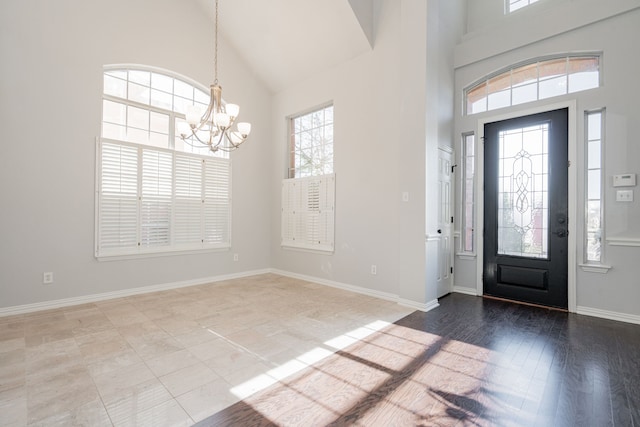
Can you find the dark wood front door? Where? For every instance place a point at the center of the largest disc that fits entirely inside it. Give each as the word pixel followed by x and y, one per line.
pixel 526 208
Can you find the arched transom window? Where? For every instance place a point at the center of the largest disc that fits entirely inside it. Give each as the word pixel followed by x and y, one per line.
pixel 147 106
pixel 532 81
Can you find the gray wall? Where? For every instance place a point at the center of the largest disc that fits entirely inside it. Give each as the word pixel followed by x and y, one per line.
pixel 393 107
pixel 52 54
pixel 613 29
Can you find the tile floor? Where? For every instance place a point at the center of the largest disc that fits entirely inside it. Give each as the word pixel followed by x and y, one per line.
pixel 173 357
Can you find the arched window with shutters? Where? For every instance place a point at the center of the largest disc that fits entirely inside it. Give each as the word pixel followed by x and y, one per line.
pixel 156 193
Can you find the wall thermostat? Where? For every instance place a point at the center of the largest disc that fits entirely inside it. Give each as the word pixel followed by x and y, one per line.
pixel 624 180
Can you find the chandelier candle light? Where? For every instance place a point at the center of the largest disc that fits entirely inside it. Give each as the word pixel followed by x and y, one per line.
pixel 218 119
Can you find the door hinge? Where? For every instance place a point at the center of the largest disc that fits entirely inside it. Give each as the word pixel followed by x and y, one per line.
pixel 451 220
pixel 451 270
pixel 568 163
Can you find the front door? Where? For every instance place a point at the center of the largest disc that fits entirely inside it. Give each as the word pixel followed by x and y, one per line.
pixel 526 209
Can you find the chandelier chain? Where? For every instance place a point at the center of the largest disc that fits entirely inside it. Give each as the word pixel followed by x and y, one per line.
pixel 219 117
pixel 215 54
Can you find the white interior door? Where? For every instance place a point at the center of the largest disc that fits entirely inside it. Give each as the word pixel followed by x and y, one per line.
pixel 445 222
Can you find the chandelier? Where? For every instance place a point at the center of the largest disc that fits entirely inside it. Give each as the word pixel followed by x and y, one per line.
pixel 213 127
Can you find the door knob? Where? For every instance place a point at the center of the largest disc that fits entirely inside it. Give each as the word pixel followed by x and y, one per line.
pixel 439 231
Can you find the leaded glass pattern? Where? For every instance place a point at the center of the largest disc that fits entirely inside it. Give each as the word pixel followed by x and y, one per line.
pixel 523 192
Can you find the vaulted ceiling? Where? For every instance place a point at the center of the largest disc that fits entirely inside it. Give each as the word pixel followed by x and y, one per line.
pixel 286 41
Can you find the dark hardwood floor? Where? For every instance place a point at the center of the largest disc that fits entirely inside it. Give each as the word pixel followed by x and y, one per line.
pixel 470 362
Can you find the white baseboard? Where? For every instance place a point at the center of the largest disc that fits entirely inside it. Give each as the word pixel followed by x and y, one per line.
pixel 360 290
pixel 419 306
pixel 466 291
pixel 611 315
pixel 49 305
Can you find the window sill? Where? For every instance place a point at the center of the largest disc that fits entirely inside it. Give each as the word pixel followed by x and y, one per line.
pixel 595 268
pixel 623 241
pixel 120 257
pixel 308 250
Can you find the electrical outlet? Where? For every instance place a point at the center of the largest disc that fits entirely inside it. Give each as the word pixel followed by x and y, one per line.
pixel 47 277
pixel 374 269
pixel 236 257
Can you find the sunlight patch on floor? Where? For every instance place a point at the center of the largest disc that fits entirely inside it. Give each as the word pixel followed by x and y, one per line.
pixel 305 360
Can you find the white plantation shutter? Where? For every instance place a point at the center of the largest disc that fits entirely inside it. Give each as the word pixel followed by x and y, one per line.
pixel 187 218
pixel 308 206
pixel 217 201
pixel 155 203
pixel 157 200
pixel 118 198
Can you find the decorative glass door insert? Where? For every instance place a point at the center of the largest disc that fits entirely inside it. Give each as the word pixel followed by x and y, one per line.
pixel 523 191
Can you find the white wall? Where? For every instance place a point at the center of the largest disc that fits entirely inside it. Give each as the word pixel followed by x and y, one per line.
pixel 618 291
pixel 366 102
pixel 52 54
pixel 388 123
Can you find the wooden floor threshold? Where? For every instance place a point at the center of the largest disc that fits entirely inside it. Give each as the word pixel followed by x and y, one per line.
pixel 564 310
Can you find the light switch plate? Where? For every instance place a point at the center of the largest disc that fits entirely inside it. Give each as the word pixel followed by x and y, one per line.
pixel 624 196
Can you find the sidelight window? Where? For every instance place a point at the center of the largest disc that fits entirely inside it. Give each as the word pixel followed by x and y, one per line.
pixel 468 192
pixel 594 121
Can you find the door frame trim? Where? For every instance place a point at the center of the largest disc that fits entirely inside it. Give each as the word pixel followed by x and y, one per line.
pixel 573 181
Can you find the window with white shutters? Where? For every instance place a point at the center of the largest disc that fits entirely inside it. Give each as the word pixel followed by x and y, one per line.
pixel 155 192
pixel 308 195
pixel 308 212
pixel 154 200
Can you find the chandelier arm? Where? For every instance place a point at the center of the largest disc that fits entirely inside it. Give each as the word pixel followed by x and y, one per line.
pixel 195 135
pixel 198 145
pixel 220 139
pixel 199 127
pixel 229 149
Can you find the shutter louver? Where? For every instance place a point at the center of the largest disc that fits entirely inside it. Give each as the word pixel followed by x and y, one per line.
pixel 117 199
pixel 217 202
pixel 187 201
pixel 308 219
pixel 290 196
pixel 155 204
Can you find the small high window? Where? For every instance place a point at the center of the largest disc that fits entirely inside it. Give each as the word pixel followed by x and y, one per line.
pixel 533 81
pixel 513 5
